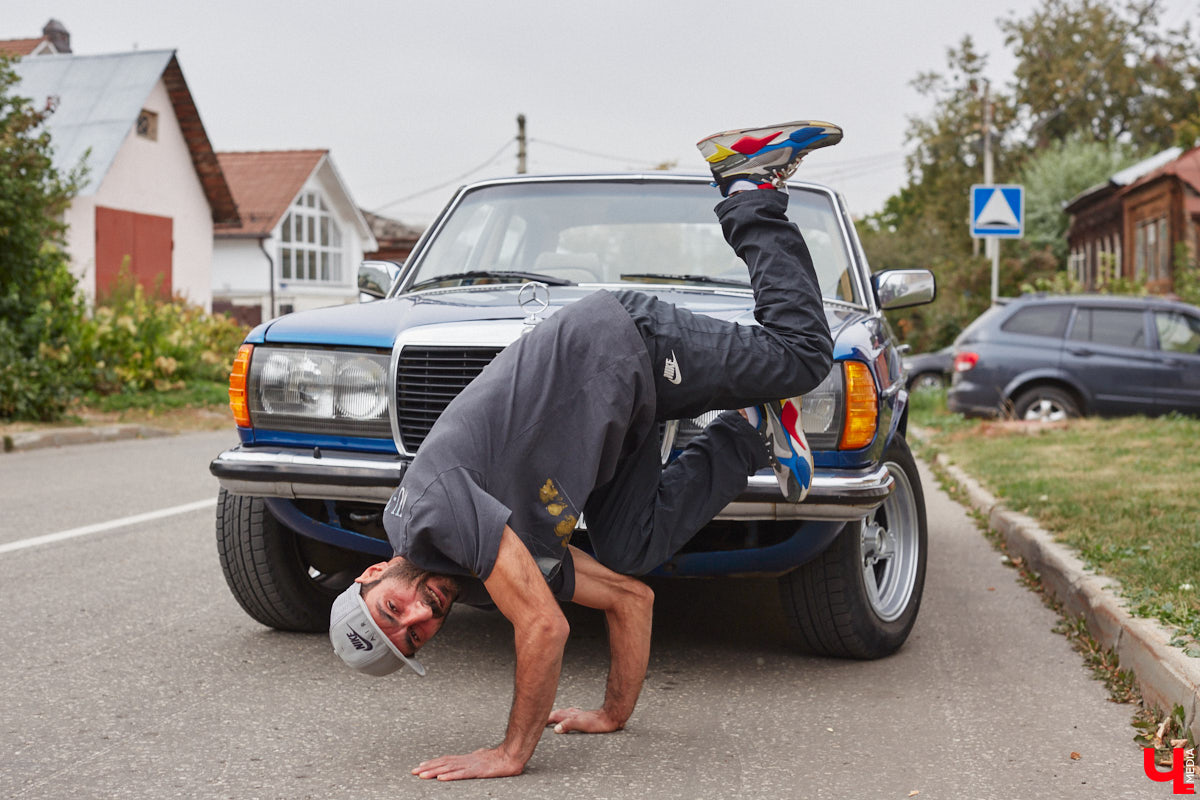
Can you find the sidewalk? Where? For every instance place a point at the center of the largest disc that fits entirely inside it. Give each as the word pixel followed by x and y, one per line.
pixel 1165 675
pixel 86 434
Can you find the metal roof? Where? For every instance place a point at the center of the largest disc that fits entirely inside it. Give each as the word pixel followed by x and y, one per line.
pixel 98 99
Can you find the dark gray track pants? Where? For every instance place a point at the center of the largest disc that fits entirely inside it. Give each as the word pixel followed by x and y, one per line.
pixel 648 512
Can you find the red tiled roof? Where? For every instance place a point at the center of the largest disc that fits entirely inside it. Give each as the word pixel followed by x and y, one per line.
pixel 264 184
pixel 19 47
pixel 1186 168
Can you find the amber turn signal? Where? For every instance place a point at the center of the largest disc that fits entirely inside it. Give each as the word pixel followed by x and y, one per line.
pixel 862 407
pixel 237 386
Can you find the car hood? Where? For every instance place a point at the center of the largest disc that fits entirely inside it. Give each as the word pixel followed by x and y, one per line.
pixel 377 324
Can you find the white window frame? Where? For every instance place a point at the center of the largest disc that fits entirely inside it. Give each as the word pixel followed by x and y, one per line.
pixel 311 245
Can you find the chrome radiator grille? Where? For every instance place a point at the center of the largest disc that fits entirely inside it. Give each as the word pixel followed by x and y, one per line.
pixel 427 379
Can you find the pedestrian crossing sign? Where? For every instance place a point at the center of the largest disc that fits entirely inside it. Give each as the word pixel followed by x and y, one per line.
pixel 997 210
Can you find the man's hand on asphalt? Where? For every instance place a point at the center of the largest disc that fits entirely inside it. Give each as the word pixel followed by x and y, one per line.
pixel 566 720
pixel 488 763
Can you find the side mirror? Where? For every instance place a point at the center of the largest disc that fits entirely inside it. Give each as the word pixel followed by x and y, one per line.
pixel 901 288
pixel 375 278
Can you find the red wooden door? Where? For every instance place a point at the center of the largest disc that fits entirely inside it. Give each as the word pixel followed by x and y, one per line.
pixel 139 243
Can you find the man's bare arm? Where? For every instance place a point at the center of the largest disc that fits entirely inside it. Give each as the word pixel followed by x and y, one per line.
pixel 628 606
pixel 540 631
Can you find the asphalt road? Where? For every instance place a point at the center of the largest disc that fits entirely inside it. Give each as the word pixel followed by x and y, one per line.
pixel 129 671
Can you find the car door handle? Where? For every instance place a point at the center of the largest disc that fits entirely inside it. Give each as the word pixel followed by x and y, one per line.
pixel 1080 351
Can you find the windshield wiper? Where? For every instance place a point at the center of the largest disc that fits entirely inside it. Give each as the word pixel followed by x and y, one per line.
pixel 651 277
pixel 509 276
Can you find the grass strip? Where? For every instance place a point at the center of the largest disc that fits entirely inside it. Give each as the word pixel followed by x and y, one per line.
pixel 1123 493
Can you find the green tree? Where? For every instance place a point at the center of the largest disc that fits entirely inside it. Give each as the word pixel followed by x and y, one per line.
pixel 1096 84
pixel 1058 173
pixel 41 312
pixel 1105 71
pixel 925 224
pixel 948 151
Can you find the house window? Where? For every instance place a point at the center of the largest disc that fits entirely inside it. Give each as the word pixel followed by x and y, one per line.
pixel 147 125
pixel 310 242
pixel 1077 266
pixel 1152 250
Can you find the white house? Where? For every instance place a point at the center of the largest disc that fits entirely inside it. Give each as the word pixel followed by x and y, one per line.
pixel 300 240
pixel 153 192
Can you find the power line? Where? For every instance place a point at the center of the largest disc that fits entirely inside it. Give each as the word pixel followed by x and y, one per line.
pixel 491 160
pixel 608 157
pixel 854 162
pixel 855 169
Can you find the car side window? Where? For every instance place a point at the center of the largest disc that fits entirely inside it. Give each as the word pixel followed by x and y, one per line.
pixel 1116 327
pixel 1177 333
pixel 1039 320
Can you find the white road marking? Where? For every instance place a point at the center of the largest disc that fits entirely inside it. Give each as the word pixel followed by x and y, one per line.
pixel 103 527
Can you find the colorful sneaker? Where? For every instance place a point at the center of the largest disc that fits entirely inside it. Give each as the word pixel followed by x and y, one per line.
pixel 791 460
pixel 764 156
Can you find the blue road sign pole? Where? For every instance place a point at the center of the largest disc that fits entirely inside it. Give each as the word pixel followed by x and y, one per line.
pixel 997 212
pixel 994 246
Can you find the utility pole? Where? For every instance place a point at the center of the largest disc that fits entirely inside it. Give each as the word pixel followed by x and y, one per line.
pixel 520 144
pixel 991 245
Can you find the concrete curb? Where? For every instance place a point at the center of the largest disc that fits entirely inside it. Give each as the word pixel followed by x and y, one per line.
pixel 1165 675
pixel 60 437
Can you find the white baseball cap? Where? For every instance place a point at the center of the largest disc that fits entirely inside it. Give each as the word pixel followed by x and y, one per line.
pixel 358 640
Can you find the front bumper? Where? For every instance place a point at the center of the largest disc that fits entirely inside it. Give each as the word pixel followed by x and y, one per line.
pixel 309 473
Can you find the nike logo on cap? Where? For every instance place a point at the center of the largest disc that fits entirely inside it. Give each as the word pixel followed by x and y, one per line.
pixel 358 641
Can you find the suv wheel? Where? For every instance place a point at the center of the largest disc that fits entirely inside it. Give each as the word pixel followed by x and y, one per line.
pixel 927 381
pixel 279 578
pixel 859 599
pixel 1045 404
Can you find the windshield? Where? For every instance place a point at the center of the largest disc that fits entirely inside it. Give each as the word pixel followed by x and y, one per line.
pixel 613 233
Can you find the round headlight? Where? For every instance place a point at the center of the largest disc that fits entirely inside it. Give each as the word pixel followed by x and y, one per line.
pixel 297 383
pixel 360 389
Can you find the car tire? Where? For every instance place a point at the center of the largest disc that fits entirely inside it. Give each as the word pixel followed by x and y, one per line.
pixel 270 569
pixel 860 598
pixel 927 381
pixel 1045 404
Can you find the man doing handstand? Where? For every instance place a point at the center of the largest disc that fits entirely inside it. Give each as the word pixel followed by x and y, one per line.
pixel 500 484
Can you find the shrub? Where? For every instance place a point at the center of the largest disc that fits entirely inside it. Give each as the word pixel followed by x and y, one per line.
pixel 136 343
pixel 1187 274
pixel 41 314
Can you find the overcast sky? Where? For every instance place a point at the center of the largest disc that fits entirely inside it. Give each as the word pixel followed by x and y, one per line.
pixel 415 98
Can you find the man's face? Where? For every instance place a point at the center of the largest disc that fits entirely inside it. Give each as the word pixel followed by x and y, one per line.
pixel 408 604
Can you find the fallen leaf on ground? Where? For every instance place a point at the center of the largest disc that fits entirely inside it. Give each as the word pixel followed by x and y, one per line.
pixel 1075 756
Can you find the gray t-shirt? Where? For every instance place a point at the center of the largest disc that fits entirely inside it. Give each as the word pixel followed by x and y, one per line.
pixel 524 445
